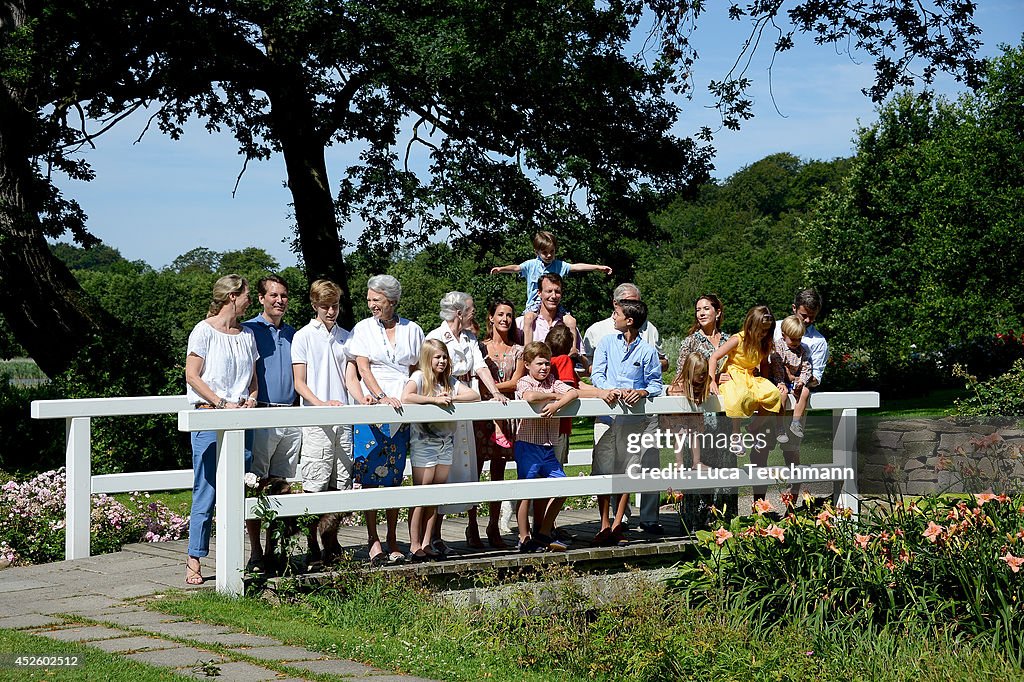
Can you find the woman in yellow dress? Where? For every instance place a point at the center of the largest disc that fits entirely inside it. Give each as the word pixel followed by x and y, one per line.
pixel 747 393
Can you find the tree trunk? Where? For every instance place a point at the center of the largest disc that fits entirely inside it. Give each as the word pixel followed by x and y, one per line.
pixel 47 311
pixel 303 149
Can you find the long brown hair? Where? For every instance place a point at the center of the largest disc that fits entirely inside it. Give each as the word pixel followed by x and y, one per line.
pixel 492 306
pixel 757 332
pixel 716 304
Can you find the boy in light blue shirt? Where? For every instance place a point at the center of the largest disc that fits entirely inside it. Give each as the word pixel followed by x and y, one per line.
pixel 545 245
pixel 628 368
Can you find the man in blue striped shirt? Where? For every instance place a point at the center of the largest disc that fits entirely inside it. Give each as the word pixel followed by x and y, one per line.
pixel 629 368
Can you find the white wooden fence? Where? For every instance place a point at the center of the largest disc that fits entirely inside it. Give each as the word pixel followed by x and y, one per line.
pixel 233 508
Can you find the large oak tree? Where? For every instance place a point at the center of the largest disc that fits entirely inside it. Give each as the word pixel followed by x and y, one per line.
pixel 527 113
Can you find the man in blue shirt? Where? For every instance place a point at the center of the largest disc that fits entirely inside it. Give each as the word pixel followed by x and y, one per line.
pixel 629 368
pixel 275 451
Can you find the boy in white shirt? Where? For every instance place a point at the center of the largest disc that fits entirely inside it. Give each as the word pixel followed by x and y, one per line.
pixel 320 364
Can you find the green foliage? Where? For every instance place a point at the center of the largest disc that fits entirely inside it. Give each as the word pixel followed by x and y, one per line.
pixel 939 563
pixel 742 240
pixel 922 240
pixel 1000 396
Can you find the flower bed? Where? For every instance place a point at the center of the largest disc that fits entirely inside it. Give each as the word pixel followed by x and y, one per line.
pixel 946 562
pixel 32 521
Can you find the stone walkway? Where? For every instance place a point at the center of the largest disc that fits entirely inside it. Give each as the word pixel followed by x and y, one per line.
pixel 50 600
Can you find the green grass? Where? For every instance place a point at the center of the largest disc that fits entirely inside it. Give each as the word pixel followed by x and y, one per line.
pixel 96 664
pixel 22 368
pixel 646 635
pixel 933 404
pixel 179 501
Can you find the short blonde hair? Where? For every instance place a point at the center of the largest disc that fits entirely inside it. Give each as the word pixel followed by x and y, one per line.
pixel 223 288
pixel 323 291
pixel 794 327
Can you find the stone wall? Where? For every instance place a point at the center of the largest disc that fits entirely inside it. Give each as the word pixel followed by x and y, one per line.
pixel 921 456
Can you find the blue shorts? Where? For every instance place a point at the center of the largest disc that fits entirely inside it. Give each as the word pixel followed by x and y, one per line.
pixel 537 461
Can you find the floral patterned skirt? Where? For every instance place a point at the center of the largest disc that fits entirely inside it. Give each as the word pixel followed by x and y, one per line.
pixel 378 457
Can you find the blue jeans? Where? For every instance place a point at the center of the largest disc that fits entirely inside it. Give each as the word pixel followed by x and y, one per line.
pixel 204 488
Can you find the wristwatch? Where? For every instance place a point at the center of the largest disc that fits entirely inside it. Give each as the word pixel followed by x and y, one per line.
pixel 222 403
pixel 381 395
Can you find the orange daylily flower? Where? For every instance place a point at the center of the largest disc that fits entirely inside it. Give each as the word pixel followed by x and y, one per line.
pixel 862 540
pixel 982 498
pixel 763 506
pixel 776 532
pixel 1014 562
pixel 787 499
pixel 832 546
pixel 721 535
pixel 823 519
pixel 933 532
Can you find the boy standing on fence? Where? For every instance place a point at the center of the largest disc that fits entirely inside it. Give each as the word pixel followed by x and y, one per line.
pixel 534 447
pixel 275 451
pixel 320 363
pixel 629 368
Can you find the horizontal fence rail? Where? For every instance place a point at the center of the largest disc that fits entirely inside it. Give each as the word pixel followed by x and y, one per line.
pixel 233 508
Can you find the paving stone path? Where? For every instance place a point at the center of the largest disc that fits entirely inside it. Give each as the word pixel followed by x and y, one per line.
pixel 51 600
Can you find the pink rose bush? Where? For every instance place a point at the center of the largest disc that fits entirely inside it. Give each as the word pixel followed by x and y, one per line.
pixel 32 521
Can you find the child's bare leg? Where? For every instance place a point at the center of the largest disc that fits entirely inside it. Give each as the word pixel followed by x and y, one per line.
pixel 734 437
pixel 554 506
pixel 797 427
pixel 529 318
pixel 759 453
pixel 620 511
pixel 570 322
pixel 523 517
pixel 602 510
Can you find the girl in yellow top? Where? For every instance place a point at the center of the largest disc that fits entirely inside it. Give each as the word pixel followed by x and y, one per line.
pixel 746 394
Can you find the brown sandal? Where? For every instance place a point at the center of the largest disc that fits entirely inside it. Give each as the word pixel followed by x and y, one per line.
pixel 193 576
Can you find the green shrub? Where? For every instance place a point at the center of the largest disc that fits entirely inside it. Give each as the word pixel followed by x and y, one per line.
pixel 939 563
pixel 1000 396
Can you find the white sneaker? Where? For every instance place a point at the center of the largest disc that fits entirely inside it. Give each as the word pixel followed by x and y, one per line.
pixel 504 517
pixel 797 428
pixel 782 437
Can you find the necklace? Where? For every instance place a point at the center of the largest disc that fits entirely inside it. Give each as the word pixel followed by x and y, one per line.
pixel 390 352
pixel 500 362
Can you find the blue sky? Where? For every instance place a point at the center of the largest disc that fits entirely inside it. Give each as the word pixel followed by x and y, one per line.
pixel 156 199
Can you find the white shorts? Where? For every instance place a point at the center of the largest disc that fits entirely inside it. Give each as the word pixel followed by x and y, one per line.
pixel 275 452
pixel 427 453
pixel 326 460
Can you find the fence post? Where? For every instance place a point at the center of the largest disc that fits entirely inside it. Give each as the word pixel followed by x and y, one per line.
pixel 230 511
pixel 844 454
pixel 78 487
